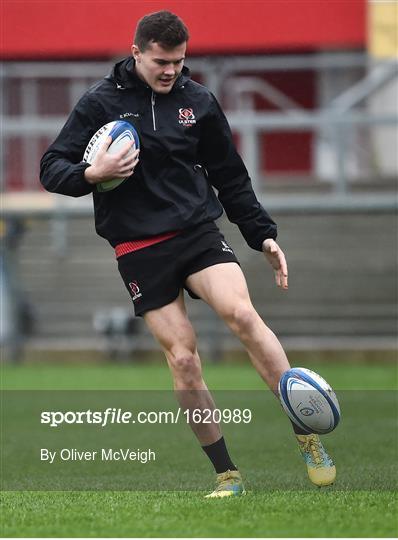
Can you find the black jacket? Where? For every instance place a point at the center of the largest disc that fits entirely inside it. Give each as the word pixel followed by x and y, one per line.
pixel 183 154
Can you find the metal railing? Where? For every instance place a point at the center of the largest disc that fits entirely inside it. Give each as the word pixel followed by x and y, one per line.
pixel 236 81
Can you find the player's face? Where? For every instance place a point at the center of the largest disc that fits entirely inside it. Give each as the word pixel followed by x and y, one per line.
pixel 159 67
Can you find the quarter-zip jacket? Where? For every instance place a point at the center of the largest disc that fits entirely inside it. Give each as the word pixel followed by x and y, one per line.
pixel 186 150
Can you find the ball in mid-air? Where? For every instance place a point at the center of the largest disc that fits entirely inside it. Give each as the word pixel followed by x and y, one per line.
pixel 309 401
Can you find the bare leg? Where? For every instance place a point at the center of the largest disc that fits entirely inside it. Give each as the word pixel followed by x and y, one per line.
pixel 171 327
pixel 224 288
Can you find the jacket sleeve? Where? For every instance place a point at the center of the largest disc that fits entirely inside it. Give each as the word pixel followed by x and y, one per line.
pixel 228 174
pixel 61 167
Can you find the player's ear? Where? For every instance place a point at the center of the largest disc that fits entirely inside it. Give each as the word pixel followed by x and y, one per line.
pixel 135 52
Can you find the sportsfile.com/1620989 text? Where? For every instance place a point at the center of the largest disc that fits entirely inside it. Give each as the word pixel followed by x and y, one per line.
pixel 113 415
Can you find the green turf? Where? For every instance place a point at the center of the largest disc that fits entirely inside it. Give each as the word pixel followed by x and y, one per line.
pixel 275 514
pixel 155 376
pixel 362 503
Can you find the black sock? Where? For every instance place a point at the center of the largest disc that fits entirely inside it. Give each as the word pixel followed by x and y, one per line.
pixel 218 454
pixel 297 430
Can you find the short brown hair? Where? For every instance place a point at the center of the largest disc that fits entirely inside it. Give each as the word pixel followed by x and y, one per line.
pixel 161 27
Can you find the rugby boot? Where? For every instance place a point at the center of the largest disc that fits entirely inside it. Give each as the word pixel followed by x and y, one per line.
pixel 320 467
pixel 228 484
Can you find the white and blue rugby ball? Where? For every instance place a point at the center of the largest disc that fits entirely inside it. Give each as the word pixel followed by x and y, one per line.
pixel 121 133
pixel 309 401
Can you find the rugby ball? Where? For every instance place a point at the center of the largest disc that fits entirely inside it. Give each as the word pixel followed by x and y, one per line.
pixel 309 401
pixel 121 133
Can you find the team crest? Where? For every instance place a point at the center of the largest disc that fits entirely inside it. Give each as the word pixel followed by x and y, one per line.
pixel 186 117
pixel 135 290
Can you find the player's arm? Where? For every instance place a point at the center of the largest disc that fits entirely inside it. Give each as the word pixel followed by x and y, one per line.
pixel 229 176
pixel 61 168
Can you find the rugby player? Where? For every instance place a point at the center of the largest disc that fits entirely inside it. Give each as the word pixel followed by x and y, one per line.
pixel 161 222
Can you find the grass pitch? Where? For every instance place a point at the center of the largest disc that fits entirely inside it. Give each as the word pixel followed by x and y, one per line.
pixel 362 503
pixel 145 514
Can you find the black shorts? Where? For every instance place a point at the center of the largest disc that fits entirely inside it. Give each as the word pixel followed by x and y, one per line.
pixel 155 274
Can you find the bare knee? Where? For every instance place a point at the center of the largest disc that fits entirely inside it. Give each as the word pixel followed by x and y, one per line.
pixel 186 369
pixel 242 318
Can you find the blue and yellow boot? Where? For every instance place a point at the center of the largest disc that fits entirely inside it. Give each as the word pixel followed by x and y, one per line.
pixel 228 484
pixel 320 467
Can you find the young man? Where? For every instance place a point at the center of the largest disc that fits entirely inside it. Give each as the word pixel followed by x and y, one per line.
pixel 161 221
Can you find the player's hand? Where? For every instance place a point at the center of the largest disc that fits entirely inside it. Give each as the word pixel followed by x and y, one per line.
pixel 108 166
pixel 277 259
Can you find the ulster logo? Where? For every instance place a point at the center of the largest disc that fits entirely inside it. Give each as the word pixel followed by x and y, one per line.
pixel 135 290
pixel 186 117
